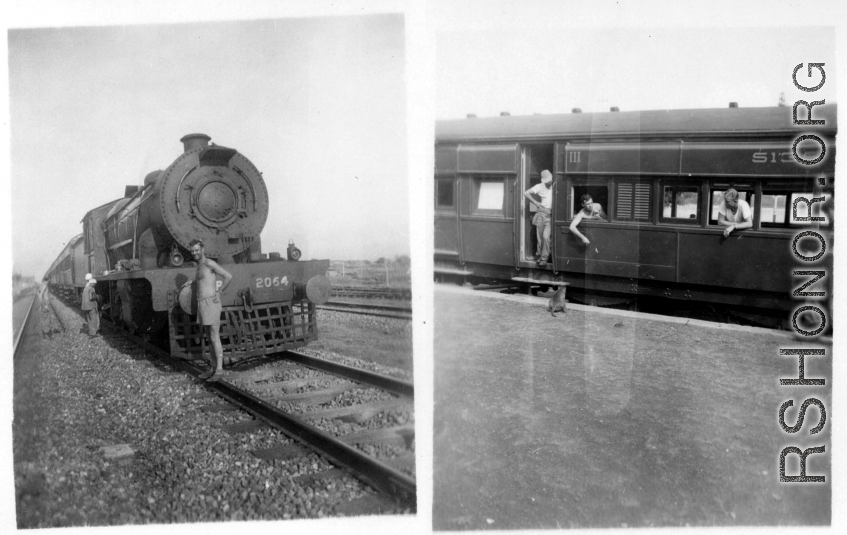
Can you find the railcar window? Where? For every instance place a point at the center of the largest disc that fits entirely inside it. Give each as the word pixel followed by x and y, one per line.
pixel 778 208
pixel 773 209
pixel 633 201
pixel 717 202
pixel 444 194
pixel 680 202
pixel 599 194
pixel 803 208
pixel 489 194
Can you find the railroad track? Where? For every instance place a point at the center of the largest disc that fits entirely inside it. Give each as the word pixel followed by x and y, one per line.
pixel 381 457
pixel 372 293
pixel 23 328
pixel 386 311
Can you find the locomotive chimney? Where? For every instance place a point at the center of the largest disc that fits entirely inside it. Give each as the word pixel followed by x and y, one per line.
pixel 194 141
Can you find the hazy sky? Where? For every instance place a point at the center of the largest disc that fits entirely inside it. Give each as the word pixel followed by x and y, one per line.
pixel 317 104
pixel 552 70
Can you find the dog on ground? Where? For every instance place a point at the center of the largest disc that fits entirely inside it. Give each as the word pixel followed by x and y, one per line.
pixel 558 301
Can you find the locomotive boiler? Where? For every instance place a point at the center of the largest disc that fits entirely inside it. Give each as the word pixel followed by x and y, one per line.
pixel 138 248
pixel 210 193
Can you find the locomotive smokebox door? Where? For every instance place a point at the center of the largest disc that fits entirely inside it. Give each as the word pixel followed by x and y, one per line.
pixel 211 193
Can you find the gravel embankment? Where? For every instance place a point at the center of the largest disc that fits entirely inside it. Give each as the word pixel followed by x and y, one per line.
pixel 75 395
pixel 379 344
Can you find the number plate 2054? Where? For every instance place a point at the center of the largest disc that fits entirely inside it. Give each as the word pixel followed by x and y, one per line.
pixel 270 282
pixel 268 289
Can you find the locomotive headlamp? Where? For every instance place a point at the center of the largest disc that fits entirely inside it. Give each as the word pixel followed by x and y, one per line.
pixel 293 252
pixel 177 259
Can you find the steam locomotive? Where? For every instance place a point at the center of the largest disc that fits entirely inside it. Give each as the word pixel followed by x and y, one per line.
pixel 137 246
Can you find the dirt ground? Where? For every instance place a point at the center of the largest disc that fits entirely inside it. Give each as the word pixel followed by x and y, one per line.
pixel 593 419
pixel 384 341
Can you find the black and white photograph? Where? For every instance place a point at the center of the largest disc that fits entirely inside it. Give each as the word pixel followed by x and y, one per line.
pixel 211 255
pixel 421 266
pixel 633 256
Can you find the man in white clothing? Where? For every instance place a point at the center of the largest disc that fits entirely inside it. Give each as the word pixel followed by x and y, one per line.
pixel 541 195
pixel 735 214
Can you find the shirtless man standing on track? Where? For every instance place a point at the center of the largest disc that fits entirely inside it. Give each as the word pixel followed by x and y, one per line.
pixel 209 303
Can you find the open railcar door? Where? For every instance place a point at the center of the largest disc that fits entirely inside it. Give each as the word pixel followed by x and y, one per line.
pixel 535 158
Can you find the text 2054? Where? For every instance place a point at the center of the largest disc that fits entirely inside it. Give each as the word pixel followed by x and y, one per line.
pixel 270 282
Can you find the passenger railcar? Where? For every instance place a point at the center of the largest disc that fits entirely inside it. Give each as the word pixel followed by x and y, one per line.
pixel 66 275
pixel 137 247
pixel 660 176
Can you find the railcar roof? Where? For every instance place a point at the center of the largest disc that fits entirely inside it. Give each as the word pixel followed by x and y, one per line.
pixel 66 248
pixel 706 122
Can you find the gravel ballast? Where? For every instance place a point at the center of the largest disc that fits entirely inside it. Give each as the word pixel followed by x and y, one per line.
pixel 76 397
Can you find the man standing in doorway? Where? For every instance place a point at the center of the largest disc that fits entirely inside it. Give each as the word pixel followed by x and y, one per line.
pixel 209 303
pixel 89 305
pixel 544 203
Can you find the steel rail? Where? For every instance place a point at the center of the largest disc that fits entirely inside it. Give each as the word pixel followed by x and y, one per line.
pixel 389 384
pixel 365 313
pixel 378 475
pixel 23 328
pixel 371 471
pixel 368 306
pixel 388 293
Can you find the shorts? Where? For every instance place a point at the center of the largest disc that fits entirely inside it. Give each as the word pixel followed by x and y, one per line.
pixel 209 310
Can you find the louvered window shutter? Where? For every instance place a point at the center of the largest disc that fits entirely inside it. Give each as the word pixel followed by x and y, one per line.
pixel 624 205
pixel 641 203
pixel 633 201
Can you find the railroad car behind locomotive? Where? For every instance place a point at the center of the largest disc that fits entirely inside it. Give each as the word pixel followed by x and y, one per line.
pixel 660 177
pixel 66 274
pixel 137 247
